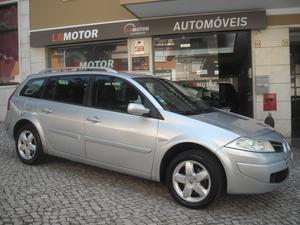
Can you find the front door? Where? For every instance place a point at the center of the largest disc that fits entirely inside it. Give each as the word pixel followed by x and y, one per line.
pixel 61 114
pixel 114 137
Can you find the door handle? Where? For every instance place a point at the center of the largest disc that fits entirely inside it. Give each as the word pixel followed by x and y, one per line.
pixel 47 110
pixel 93 119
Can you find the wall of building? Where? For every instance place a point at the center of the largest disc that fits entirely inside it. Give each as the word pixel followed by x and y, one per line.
pixel 271 57
pixel 147 52
pixel 5 92
pixel 57 13
pixel 31 60
pixel 24 49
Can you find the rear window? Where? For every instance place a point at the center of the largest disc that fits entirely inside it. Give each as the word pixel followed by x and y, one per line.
pixel 33 88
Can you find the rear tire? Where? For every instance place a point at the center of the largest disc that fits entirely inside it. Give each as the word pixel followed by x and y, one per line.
pixel 194 178
pixel 28 145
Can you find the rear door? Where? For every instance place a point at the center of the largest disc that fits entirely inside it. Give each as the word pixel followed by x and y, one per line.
pixel 61 113
pixel 112 135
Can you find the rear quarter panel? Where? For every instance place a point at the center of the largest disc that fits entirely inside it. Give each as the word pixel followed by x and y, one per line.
pixel 24 108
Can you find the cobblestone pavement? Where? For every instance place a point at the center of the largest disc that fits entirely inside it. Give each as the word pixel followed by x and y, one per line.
pixel 64 192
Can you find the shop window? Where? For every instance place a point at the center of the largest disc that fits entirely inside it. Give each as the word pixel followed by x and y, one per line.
pixel 140 63
pixel 109 54
pixel 9 57
pixel 213 66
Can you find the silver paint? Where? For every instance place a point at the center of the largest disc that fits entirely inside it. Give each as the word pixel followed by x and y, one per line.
pixel 136 144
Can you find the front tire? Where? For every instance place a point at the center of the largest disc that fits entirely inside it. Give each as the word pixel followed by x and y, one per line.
pixel 28 145
pixel 194 179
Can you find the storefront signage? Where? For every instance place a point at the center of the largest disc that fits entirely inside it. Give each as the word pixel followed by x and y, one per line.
pixel 139 47
pixel 142 28
pixel 98 63
pixel 131 29
pixel 75 35
pixel 215 23
pixel 262 84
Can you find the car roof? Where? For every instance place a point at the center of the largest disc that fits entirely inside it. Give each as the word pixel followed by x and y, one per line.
pixel 90 72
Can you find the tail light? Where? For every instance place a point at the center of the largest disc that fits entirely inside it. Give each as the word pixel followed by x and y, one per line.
pixel 9 99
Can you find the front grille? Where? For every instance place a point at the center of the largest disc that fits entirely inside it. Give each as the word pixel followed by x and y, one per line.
pixel 279 176
pixel 278 146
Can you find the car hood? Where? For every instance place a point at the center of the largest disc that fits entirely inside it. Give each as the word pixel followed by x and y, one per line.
pixel 235 123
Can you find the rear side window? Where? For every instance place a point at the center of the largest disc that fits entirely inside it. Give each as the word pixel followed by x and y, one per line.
pixel 66 89
pixel 33 88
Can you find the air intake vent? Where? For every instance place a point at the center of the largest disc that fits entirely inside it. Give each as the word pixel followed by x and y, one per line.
pixel 280 176
pixel 278 146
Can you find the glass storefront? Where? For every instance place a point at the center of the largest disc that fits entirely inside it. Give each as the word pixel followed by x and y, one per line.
pixel 106 54
pixel 214 66
pixel 185 58
pixel 9 51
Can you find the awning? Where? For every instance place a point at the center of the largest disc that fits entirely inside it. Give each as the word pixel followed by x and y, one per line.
pixel 162 8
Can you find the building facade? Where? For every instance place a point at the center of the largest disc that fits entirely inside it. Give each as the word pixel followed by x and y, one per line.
pixel 249 56
pixel 15 51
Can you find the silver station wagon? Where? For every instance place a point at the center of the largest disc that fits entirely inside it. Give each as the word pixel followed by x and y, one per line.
pixel 146 127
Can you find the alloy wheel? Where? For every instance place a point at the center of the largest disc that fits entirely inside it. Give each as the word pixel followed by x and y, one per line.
pixel 191 181
pixel 27 145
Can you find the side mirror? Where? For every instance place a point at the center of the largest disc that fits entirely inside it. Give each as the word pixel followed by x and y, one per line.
pixel 137 109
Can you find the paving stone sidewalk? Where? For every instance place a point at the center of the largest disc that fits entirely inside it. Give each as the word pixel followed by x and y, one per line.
pixel 64 192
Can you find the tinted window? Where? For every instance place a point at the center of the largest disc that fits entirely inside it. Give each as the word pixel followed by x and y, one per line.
pixel 66 89
pixel 114 94
pixel 49 89
pixel 33 88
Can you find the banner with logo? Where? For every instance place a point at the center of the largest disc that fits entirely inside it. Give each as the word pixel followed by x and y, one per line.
pixel 248 20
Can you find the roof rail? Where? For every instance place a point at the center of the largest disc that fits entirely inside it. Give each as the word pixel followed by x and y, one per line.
pixel 75 69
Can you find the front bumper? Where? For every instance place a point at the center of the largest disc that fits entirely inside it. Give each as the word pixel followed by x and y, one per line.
pixel 251 172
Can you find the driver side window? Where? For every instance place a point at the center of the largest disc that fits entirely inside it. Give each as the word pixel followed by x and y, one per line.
pixel 114 94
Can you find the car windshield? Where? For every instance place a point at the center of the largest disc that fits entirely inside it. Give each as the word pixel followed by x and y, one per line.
pixel 173 97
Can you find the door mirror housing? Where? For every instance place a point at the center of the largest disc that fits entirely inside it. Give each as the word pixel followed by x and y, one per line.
pixel 137 109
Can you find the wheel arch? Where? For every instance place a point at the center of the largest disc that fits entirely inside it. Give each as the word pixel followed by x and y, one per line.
pixel 24 121
pixel 182 147
pixel 21 123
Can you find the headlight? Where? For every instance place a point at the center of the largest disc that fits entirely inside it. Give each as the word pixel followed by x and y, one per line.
pixel 251 144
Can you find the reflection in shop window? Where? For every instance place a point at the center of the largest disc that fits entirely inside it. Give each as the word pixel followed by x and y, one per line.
pixel 214 66
pixel 140 63
pixel 111 55
pixel 187 57
pixel 9 57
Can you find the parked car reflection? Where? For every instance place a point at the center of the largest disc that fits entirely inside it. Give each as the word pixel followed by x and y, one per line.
pixel 225 99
